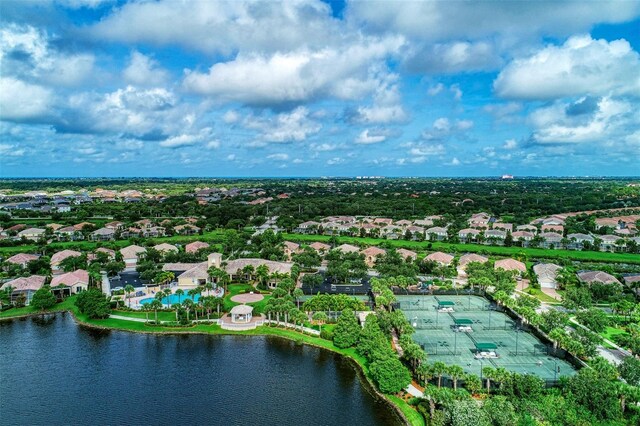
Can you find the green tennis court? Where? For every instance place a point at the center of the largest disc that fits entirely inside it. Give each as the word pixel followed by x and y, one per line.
pixel 517 351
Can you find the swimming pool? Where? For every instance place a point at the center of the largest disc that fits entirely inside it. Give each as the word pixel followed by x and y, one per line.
pixel 174 298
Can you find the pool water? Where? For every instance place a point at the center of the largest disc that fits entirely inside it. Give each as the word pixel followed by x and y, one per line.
pixel 174 298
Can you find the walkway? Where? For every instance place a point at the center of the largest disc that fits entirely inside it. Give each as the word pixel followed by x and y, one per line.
pixel 306 330
pixel 616 356
pixel 120 317
pixel 413 391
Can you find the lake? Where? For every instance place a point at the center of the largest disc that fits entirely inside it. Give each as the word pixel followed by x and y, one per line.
pixel 55 372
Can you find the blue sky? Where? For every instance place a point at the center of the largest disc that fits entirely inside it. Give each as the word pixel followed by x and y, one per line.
pixel 312 88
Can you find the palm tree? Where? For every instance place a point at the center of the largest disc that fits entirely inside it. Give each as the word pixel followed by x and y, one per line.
pixel 167 293
pixel 129 289
pixel 155 305
pixel 176 307
pixel 455 372
pixel 188 305
pixel 297 293
pixel 439 368
pixel 208 286
pixel 179 293
pixel 321 318
pixel 488 373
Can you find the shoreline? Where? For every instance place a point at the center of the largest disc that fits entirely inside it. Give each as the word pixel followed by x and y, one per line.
pixel 287 335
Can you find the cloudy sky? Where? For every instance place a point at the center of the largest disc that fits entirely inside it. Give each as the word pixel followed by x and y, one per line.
pixel 312 88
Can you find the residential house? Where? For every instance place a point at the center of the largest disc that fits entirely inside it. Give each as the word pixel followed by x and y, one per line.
pixel 524 236
pixel 290 248
pixel 577 241
pixel 383 221
pixel 154 231
pixel 551 239
pixel 54 226
pixel 610 242
pixel 195 246
pixel 553 228
pixel 71 282
pixel 308 227
pixel 22 259
pixel 423 222
pixel 503 226
pixel 527 228
pixel 547 274
pixel 403 223
pixel 321 248
pixel 607 222
pixel 440 258
pixel 632 281
pixel 33 234
pixel 495 236
pixel 69 233
pixel 186 229
pixel 597 277
pixel 469 258
pixel 391 232
pixel 130 255
pixel 166 248
pixel 108 252
pixel 103 234
pixel 371 254
pixel 436 233
pixel 468 234
pixel 407 254
pixel 116 226
pixel 347 248
pixel 510 265
pixel 58 257
pixel 22 289
pixel 82 226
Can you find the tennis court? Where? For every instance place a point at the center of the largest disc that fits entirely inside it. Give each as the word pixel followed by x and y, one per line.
pixel 440 333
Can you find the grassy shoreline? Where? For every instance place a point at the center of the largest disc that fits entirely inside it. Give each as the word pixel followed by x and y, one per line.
pixel 405 413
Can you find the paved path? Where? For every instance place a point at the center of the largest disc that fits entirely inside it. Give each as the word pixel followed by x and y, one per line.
pixel 615 357
pixel 412 390
pixel 297 327
pixel 120 317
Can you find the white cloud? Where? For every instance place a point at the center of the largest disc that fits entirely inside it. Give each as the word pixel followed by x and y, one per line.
pixel 580 66
pixel 179 141
pixel 324 147
pixel 439 20
pixel 284 127
pixel 215 144
pixel 38 60
pixel 20 101
pixel 221 27
pixel 609 120
pixel 443 128
pixel 230 117
pixel 426 150
pixel 434 90
pixel 144 71
pixel 335 161
pixel 296 76
pixel 366 138
pixel 510 144
pixel 278 157
pixel 453 57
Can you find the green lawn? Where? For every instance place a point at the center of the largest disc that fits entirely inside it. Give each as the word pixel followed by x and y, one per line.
pixel 162 316
pixel 415 418
pixel 609 332
pixel 65 305
pixel 234 289
pixel 590 256
pixel 538 294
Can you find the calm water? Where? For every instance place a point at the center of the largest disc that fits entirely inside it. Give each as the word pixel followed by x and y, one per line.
pixel 54 372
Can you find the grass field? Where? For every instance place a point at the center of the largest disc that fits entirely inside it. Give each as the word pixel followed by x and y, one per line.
pixel 234 289
pixel 585 256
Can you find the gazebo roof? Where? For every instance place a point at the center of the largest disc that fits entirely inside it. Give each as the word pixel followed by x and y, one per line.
pixel 486 346
pixel 241 310
pixel 463 321
pixel 445 303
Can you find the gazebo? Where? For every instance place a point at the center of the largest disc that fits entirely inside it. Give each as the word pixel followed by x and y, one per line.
pixel 241 314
